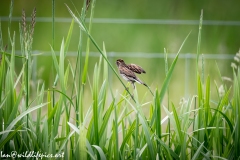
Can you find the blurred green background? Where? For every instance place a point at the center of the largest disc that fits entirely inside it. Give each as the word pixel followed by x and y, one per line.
pixel 138 31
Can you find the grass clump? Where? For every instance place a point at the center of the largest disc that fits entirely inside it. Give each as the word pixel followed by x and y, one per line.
pixel 114 126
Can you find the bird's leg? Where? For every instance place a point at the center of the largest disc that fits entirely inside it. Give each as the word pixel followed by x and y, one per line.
pixel 133 85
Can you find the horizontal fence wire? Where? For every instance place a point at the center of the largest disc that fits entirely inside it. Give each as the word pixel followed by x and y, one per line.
pixel 130 21
pixel 138 55
pixel 136 21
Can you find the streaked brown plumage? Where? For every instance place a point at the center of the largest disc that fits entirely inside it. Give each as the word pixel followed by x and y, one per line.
pixel 127 72
pixel 135 68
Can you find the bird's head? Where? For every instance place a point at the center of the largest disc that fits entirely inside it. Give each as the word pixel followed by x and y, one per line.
pixel 120 61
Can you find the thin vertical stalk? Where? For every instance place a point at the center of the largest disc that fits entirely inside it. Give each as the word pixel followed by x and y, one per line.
pixel 136 136
pixel 187 75
pixel 53 24
pixel 196 78
pixel 10 18
pixel 85 68
pixel 27 57
pixel 80 83
pixel 116 157
pixel 88 46
pixel 80 90
pixel 236 105
pixel 158 121
pixel 27 91
pixel 199 40
pixel 77 68
pixel 202 69
pixel 166 72
pixel 53 42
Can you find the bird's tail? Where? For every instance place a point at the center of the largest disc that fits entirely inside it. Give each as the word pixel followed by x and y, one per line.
pixel 141 82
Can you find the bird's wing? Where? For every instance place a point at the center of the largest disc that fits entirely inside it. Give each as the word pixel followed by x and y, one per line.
pixel 127 72
pixel 135 68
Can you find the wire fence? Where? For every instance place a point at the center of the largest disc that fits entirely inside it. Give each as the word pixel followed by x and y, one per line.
pixel 131 21
pixel 186 56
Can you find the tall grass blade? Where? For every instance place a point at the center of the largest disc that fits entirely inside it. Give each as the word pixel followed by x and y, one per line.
pixel 147 131
pixel 199 39
pixel 84 77
pixel 79 21
pixel 207 109
pixel 236 110
pixel 158 118
pixel 10 18
pixel 128 135
pixel 106 118
pixel 198 152
pixel 82 142
pixel 100 151
pixel 65 142
pixel 115 138
pixel 9 135
pixel 1 38
pixel 95 104
pixel 53 24
pixel 18 118
pixel 169 74
pixel 196 125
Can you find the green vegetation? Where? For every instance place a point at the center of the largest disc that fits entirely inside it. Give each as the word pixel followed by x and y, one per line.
pixel 114 126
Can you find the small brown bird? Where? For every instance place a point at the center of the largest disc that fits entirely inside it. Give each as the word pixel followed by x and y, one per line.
pixel 127 72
